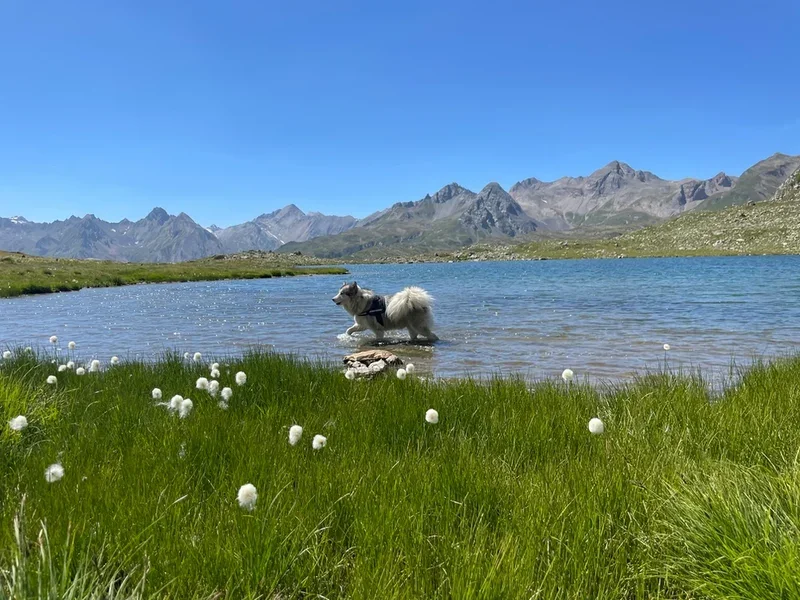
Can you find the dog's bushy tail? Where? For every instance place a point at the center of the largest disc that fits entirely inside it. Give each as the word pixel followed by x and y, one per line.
pixel 410 300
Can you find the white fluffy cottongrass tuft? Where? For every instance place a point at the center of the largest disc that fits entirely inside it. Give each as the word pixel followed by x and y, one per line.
pixel 156 393
pixel 186 355
pixel 666 347
pixel 247 496
pixel 53 339
pixel 70 365
pixel 94 366
pixel 596 426
pixel 214 366
pixel 410 368
pixel 53 473
pixel 197 357
pixel 319 442
pixel 214 373
pixel 62 368
pixel 115 360
pixel 175 403
pixel 350 374
pixel 241 378
pixel 7 354
pixel 51 380
pixel 18 423
pixel 29 350
pixel 295 433
pixel 186 408
pixel 567 375
pixel 226 393
pixel 213 387
pixel 80 371
pixel 72 345
pixel 202 383
pixel 401 373
pixel 431 416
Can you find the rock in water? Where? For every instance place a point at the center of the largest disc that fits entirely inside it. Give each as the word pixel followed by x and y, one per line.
pixel 367 357
pixel 371 362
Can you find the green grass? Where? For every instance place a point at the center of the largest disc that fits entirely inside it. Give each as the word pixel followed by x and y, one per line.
pixel 21 274
pixel 508 496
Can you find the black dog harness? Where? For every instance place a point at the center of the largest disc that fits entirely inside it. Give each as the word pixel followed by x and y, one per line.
pixel 376 308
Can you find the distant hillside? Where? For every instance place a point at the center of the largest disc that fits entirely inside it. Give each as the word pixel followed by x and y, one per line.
pixel 612 196
pixel 757 183
pixel 614 199
pixel 160 237
pixel 453 217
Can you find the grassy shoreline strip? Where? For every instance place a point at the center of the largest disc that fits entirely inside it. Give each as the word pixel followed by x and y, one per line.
pixel 26 275
pixel 506 495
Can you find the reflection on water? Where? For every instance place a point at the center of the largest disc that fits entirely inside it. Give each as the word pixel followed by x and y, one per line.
pixel 604 319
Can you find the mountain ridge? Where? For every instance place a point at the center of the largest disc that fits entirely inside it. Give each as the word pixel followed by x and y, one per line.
pixel 614 196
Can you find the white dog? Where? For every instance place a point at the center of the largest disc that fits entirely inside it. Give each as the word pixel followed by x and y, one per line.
pixel 410 309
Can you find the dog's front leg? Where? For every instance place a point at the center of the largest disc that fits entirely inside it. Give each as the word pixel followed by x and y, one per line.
pixel 355 328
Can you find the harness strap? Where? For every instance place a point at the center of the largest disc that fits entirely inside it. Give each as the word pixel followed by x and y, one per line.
pixel 376 308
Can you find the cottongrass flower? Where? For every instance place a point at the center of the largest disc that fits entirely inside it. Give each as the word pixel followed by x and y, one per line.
pixel 197 357
pixel 51 380
pixel 295 433
pixel 319 442
pixel 241 378
pixel 223 405
pixel 53 473
pixel 29 350
pixel 156 393
pixel 410 368
pixel 115 360
pixel 80 371
pixel 567 375
pixel 62 368
pixel 214 366
pixel 226 393
pixel 213 387
pixel 175 403
pixel 186 408
pixel 70 365
pixel 431 416
pixel 94 366
pixel 596 426
pixel 202 383
pixel 214 374
pixel 53 339
pixel 72 345
pixel 186 355
pixel 350 374
pixel 18 423
pixel 666 347
pixel 247 496
pixel 7 354
pixel 401 373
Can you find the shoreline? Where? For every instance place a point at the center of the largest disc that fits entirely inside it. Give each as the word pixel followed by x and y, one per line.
pixel 24 275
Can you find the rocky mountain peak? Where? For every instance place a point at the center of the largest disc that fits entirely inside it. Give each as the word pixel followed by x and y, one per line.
pixel 158 215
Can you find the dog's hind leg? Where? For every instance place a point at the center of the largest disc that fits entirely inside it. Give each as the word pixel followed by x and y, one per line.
pixel 429 335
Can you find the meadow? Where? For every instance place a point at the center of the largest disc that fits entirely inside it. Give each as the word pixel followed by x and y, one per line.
pixel 509 495
pixel 21 274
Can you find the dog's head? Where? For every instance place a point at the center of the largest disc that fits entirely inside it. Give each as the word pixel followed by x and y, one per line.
pixel 346 295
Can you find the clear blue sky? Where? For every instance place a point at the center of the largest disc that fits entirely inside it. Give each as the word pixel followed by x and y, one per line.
pixel 226 110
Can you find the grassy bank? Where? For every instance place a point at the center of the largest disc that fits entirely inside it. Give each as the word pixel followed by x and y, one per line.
pixel 21 274
pixel 507 496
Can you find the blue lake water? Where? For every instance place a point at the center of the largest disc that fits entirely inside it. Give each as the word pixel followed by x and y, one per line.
pixel 605 319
